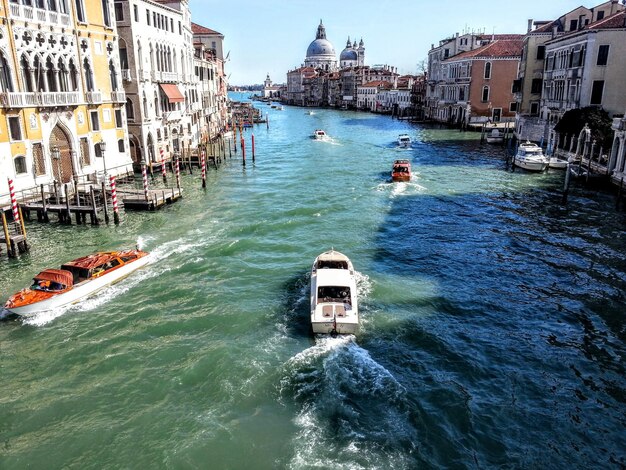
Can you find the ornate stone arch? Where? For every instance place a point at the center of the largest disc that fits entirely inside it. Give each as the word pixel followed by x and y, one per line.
pixel 62 163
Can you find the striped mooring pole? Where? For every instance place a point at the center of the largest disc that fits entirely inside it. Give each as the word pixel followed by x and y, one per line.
pixel 145 182
pixel 243 150
pixel 203 163
pixel 163 170
pixel 177 166
pixel 116 209
pixel 253 148
pixel 16 212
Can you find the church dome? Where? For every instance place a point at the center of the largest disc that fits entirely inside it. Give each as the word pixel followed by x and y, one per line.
pixel 320 47
pixel 348 54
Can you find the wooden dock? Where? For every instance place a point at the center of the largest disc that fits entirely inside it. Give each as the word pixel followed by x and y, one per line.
pixel 135 199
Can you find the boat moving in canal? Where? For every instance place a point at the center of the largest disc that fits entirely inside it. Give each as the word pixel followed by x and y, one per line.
pixel 320 134
pixel 401 170
pixel 334 307
pixel 75 281
pixel 404 141
pixel 530 157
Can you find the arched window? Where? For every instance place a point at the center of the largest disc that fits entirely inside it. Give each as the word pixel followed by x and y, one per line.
pixel 130 110
pixel 39 75
pixel 156 105
pixel 139 55
pixel 63 82
pixel 88 75
pixel 485 96
pixel 145 106
pixel 19 163
pixel 151 58
pixel 73 75
pixel 113 75
pixel 488 70
pixel 51 75
pixel 6 82
pixel 27 78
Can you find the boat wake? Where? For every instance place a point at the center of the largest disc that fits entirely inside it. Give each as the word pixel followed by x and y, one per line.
pixel 353 411
pixel 402 188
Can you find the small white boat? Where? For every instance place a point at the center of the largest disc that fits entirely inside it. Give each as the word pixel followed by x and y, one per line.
pixel 310 113
pixel 334 307
pixel 281 108
pixel 404 140
pixel 496 136
pixel 559 163
pixel 319 134
pixel 530 157
pixel 75 281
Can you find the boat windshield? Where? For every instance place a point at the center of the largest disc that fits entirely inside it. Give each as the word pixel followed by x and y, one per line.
pixel 328 264
pixel 333 294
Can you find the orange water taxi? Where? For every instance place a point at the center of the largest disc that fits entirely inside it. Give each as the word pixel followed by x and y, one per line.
pixel 75 281
pixel 401 170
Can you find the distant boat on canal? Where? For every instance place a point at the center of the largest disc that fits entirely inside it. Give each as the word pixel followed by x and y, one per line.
pixel 75 281
pixel 320 134
pixel 404 141
pixel 530 157
pixel 401 170
pixel 334 307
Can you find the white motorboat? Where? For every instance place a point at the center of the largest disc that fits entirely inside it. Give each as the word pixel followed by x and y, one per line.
pixel 404 140
pixel 334 307
pixel 319 134
pixel 559 163
pixel 530 157
pixel 75 281
pixel 496 136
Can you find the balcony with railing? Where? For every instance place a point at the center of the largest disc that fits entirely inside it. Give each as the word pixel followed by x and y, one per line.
pixel 619 123
pixel 41 99
pixel 126 76
pixel 28 13
pixel 118 96
pixel 93 97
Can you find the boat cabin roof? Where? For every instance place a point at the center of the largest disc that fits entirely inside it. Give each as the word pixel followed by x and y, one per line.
pixel 401 162
pixel 333 277
pixel 56 275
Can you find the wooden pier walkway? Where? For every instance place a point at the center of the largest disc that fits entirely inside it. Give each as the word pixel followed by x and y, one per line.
pixel 135 199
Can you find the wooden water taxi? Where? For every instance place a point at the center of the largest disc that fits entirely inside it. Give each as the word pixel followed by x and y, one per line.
pixel 75 281
pixel 334 307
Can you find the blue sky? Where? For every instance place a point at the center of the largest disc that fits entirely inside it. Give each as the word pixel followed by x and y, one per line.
pixel 273 35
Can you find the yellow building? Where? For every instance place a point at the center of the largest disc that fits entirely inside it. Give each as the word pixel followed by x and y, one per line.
pixel 61 95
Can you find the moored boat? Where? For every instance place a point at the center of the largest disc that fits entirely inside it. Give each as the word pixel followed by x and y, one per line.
pixel 404 140
pixel 334 307
pixel 530 157
pixel 75 281
pixel 401 170
pixel 496 136
pixel 319 134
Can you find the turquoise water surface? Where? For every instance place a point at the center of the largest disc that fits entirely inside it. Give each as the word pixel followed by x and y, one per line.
pixel 492 317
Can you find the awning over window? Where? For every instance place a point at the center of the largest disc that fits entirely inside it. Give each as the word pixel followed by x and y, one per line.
pixel 173 93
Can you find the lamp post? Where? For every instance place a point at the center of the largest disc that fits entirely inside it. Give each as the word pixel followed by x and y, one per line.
pixel 56 156
pixel 103 147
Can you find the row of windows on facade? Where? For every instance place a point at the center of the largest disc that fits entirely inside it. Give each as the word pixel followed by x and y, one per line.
pixel 153 18
pixel 575 58
pixel 53 76
pixel 60 6
pixel 16 132
pixel 39 161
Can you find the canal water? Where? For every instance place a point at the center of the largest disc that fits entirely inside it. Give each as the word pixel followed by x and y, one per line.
pixel 492 318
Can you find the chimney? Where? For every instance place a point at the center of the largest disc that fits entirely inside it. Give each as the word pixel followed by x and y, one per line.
pixel 530 25
pixel 554 28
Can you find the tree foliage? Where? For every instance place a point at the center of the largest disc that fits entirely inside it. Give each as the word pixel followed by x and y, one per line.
pixel 597 119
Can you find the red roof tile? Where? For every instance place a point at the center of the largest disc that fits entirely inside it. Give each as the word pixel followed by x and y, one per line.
pixel 198 29
pixel 500 48
pixel 610 22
